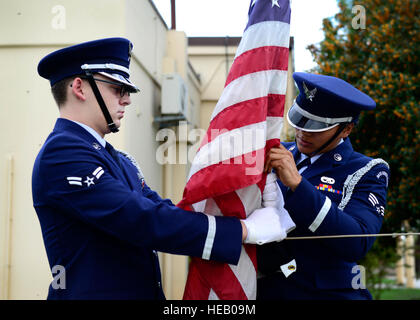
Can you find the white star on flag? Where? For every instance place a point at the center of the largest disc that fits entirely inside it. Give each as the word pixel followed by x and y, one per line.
pixel 274 3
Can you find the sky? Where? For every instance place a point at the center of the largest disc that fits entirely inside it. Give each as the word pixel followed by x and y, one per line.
pixel 220 18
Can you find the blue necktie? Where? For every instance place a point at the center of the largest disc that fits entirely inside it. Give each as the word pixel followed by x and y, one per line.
pixel 304 163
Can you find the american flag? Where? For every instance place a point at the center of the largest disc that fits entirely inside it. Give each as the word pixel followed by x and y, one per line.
pixel 226 176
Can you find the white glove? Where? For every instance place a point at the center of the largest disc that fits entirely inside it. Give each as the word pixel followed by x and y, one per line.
pixel 273 197
pixel 263 225
pixel 271 191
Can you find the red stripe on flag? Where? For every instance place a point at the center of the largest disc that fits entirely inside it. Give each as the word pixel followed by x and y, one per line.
pixel 204 275
pixel 231 205
pixel 259 59
pixel 197 286
pixel 275 105
pixel 251 251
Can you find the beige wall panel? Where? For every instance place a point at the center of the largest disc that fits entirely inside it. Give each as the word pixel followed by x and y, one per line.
pixel 41 22
pixel 194 96
pixel 148 34
pixel 31 112
pixel 207 108
pixel 210 63
pixel 212 70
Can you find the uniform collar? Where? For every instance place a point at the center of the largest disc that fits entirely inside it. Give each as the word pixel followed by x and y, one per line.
pixel 92 132
pixel 335 157
pixel 341 153
pixel 76 129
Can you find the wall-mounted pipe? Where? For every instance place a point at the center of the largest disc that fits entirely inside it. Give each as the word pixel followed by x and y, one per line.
pixel 7 233
pixel 173 15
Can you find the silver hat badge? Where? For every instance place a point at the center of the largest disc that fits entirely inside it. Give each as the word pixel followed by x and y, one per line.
pixel 310 94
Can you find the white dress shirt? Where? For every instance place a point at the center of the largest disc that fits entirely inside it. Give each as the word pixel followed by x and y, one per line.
pixel 313 159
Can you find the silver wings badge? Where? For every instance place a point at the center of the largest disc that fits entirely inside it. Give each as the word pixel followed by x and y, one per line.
pixel 310 94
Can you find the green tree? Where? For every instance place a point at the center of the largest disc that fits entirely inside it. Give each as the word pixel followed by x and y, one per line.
pixel 380 56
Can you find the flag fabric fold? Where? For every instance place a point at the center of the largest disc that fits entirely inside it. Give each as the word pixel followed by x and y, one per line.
pixel 226 176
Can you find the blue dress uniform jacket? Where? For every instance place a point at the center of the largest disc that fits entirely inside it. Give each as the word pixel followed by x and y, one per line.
pixel 326 268
pixel 103 224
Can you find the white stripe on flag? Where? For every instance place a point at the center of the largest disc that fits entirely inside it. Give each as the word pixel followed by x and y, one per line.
pixel 229 145
pixel 213 295
pixel 244 271
pixel 199 206
pixel 267 33
pixel 250 86
pixel 212 208
pixel 274 126
pixel 250 197
pixel 207 206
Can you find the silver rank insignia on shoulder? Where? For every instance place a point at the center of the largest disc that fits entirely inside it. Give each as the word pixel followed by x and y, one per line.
pixel 78 181
pixel 292 148
pixel 96 146
pixel 310 94
pixel 375 203
pixel 89 181
pixel 98 172
pixel 75 180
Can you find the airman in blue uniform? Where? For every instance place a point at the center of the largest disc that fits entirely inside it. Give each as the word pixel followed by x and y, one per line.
pixel 102 225
pixel 329 189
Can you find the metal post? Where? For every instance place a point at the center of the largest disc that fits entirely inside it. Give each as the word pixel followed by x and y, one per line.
pixel 173 15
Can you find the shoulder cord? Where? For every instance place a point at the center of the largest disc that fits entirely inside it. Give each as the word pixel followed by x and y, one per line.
pixel 134 162
pixel 354 178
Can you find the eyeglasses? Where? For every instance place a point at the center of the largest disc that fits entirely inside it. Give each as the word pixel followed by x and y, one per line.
pixel 122 89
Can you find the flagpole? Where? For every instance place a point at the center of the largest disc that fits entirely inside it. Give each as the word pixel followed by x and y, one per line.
pixel 355 236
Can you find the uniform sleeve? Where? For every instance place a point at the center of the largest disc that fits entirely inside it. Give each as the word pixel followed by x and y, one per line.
pixel 154 196
pixel 86 189
pixel 363 213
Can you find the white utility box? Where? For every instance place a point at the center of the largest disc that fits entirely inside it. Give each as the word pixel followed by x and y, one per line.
pixel 174 95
